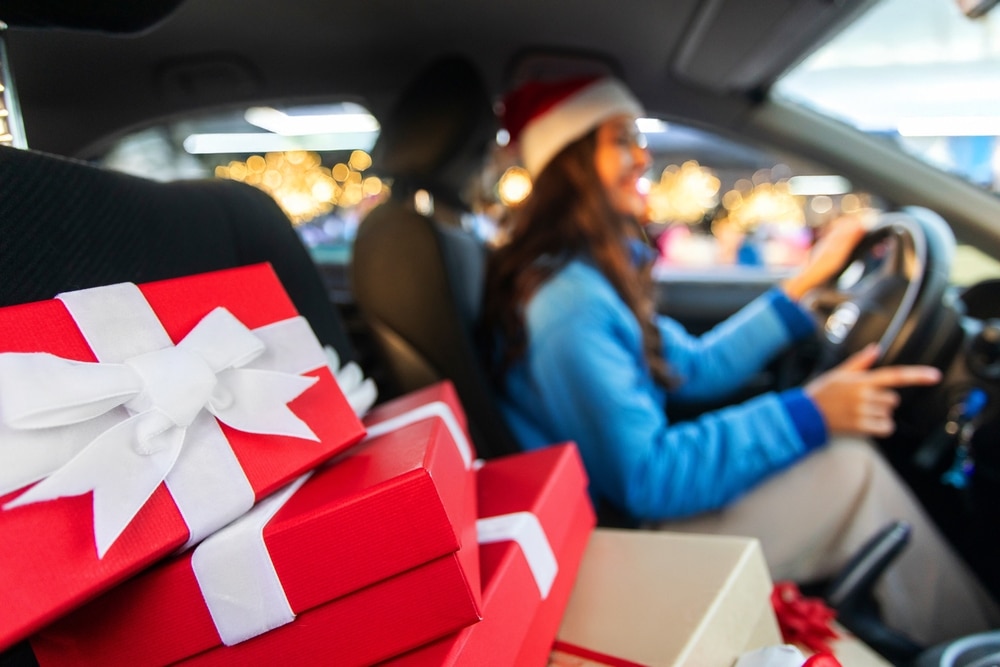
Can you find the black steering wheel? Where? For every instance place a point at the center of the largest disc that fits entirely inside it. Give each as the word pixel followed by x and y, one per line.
pixel 889 292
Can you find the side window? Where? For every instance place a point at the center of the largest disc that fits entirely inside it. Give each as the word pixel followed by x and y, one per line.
pixel 714 201
pixel 313 160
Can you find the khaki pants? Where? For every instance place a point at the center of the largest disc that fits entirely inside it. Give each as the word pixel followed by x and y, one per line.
pixel 811 518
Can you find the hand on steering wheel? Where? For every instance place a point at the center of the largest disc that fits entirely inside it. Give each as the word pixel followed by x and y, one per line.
pixel 828 257
pixel 880 282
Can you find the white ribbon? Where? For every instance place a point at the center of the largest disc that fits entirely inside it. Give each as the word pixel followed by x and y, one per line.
pixel 360 391
pixel 525 529
pixel 234 570
pixel 438 409
pixel 237 577
pixel 121 426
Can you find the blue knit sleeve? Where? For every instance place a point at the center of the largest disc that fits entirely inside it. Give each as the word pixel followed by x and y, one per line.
pixel 584 379
pixel 806 417
pixel 721 361
pixel 799 323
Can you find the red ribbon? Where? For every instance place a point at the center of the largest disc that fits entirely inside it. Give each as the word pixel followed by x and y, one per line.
pixel 805 621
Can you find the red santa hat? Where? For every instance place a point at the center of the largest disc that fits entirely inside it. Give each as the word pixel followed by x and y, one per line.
pixel 543 117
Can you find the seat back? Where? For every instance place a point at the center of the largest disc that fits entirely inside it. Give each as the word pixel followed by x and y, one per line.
pixel 418 279
pixel 418 284
pixel 68 225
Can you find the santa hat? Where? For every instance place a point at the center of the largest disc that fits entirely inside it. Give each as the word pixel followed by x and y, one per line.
pixel 543 117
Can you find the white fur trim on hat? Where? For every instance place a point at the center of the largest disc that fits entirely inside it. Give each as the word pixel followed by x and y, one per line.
pixel 573 117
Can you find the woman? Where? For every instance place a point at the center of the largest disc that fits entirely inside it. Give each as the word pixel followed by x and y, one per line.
pixel 583 356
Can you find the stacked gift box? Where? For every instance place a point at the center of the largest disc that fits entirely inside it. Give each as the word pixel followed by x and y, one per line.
pixel 207 495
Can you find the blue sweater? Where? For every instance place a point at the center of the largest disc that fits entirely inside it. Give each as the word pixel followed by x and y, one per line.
pixel 584 379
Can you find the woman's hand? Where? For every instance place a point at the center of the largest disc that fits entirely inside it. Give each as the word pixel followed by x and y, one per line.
pixel 828 256
pixel 854 398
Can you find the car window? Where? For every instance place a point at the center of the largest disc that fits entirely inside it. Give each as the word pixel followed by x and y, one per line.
pixel 717 201
pixel 918 73
pixel 713 200
pixel 313 160
pixel 921 75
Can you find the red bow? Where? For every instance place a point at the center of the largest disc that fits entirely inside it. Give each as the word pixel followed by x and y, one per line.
pixel 804 621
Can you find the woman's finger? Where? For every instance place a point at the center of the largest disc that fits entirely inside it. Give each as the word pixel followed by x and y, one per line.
pixel 904 376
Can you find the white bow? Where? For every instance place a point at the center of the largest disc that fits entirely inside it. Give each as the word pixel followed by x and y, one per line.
pixel 118 428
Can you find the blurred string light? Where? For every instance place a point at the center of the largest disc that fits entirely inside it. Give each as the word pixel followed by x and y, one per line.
pixel 683 193
pixel 765 203
pixel 690 193
pixel 514 185
pixel 302 186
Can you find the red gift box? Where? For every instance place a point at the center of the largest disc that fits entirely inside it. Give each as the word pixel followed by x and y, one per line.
pixel 210 393
pixel 365 557
pixel 523 594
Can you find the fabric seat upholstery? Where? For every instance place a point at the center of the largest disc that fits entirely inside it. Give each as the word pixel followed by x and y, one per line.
pixel 67 225
pixel 418 279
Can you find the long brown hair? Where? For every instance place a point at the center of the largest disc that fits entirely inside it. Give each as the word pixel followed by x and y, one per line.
pixel 567 214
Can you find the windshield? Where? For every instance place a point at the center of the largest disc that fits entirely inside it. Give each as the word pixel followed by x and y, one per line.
pixel 921 74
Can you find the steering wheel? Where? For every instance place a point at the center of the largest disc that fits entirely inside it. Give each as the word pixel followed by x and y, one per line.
pixel 889 292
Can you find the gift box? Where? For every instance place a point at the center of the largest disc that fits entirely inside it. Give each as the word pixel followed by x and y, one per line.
pixel 535 520
pixel 661 598
pixel 135 420
pixel 372 555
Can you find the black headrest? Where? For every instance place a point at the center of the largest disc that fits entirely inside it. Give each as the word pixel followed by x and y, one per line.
pixel 112 16
pixel 439 128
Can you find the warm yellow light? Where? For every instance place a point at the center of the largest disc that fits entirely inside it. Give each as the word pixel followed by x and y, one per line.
pixel 371 186
pixel 821 204
pixel 514 186
pixel 272 179
pixel 352 195
pixel 850 203
pixel 768 203
pixel 684 193
pixel 296 180
pixel 359 160
pixel 324 190
pixel 256 163
pixel 732 199
pixel 340 172
pixel 237 171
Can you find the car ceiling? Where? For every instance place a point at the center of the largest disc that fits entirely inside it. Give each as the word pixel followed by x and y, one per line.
pixel 79 88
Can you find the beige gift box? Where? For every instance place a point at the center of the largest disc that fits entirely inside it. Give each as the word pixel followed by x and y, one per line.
pixel 675 599
pixel 661 598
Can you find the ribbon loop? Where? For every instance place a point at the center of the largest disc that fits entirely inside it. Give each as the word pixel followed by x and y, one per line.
pixel 223 341
pixel 63 421
pixel 41 390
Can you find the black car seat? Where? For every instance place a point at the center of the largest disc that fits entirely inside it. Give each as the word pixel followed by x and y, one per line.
pixel 417 275
pixel 66 224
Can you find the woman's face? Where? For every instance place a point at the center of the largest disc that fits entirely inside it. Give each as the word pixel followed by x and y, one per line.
pixel 621 159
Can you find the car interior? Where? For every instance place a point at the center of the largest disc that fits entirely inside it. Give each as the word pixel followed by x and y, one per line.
pixel 78 78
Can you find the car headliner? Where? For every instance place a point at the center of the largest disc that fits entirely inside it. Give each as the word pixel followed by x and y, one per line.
pixel 77 87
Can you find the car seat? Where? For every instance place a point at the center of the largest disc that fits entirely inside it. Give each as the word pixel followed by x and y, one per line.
pixel 66 224
pixel 417 275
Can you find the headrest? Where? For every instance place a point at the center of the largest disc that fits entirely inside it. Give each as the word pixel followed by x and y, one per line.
pixel 438 131
pixel 110 16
